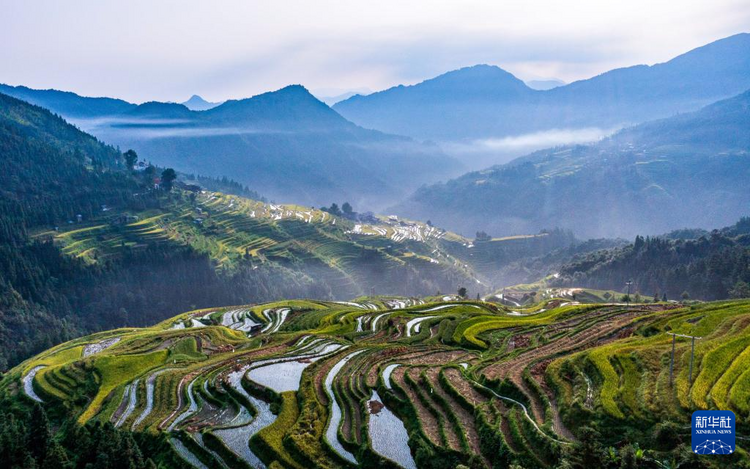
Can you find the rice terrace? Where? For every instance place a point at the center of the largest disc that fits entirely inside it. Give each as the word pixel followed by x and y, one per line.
pixel 402 382
pixel 378 235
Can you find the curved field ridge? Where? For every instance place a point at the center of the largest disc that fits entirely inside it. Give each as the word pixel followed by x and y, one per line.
pixel 335 420
pixel 415 325
pixel 186 454
pixel 324 384
pixel 387 374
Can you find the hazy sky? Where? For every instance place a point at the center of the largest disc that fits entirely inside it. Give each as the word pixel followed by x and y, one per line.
pixel 144 50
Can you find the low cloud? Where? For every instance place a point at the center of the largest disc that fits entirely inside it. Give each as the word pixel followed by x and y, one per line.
pixel 489 151
pixel 546 138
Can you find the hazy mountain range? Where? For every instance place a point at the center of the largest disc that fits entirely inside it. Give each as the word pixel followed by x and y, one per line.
pixel 285 144
pixel 484 102
pixel 292 147
pixel 690 170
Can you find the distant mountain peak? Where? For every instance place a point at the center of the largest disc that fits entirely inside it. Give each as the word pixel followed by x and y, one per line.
pixel 477 77
pixel 291 105
pixel 197 103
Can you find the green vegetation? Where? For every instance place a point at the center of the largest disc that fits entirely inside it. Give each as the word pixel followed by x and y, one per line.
pixel 529 386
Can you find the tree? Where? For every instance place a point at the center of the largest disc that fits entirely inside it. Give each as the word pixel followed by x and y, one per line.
pixel 685 296
pixel 131 158
pixel 334 209
pixel 347 209
pixel 167 178
pixel 664 298
pixel 39 432
pixel 483 236
pixel 740 290
pixel 462 292
pixel 625 298
pixel 637 297
pixel 56 458
pixel 589 452
pixel 656 297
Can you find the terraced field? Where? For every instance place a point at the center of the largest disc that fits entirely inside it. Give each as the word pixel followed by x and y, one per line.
pixel 401 382
pixel 353 258
pixel 235 232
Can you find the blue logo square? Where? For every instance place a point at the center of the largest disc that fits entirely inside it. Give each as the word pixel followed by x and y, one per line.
pixel 713 432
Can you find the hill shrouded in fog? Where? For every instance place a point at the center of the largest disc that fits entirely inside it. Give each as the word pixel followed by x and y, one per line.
pixel 688 170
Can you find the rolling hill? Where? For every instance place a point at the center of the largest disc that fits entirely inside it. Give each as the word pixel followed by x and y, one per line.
pixel 687 170
pixel 485 102
pixel 392 382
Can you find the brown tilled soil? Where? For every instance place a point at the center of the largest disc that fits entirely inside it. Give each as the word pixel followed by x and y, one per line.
pixel 439 358
pixel 464 387
pixel 454 442
pixel 518 341
pixel 429 423
pixel 320 377
pixel 465 418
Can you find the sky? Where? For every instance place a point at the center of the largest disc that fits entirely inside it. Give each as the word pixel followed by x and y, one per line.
pixel 166 50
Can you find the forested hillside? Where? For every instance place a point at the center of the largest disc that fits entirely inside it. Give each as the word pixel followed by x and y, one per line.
pixel 708 267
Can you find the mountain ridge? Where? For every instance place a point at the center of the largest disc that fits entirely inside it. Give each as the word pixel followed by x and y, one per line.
pixel 621 96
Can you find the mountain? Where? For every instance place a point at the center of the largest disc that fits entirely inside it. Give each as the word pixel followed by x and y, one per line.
pixel 68 104
pixel 196 103
pixel 544 85
pixel 457 104
pixel 690 169
pixel 404 382
pixel 485 102
pixel 285 144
